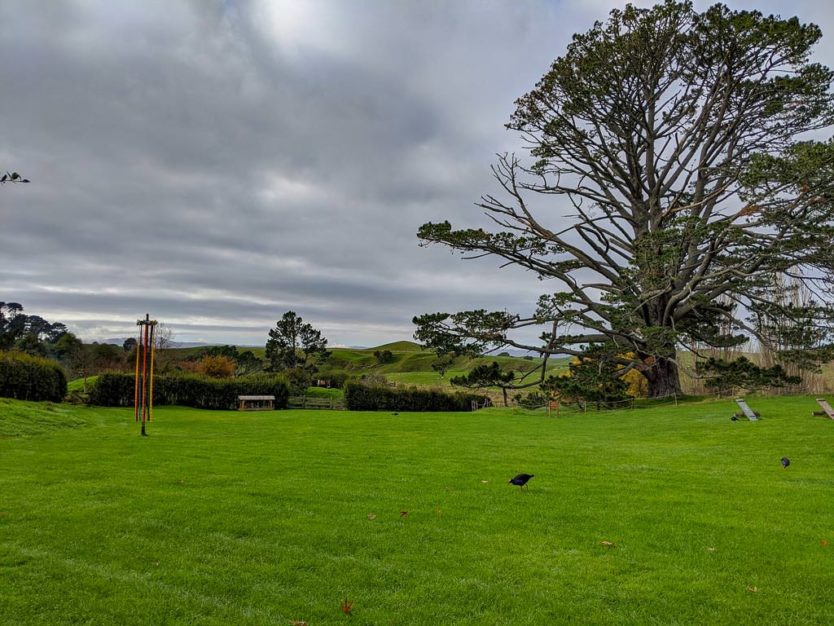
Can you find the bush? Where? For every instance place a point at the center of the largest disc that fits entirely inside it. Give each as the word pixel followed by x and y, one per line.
pixel 725 376
pixel 335 380
pixel 25 377
pixel 115 389
pixel 384 356
pixel 368 398
pixel 532 400
pixel 216 366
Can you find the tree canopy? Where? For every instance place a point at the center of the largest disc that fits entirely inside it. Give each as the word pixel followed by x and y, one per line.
pixel 294 344
pixel 26 332
pixel 672 172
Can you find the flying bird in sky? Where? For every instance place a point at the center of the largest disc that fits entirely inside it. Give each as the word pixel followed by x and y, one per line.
pixel 520 480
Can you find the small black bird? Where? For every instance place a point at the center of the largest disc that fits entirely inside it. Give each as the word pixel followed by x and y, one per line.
pixel 734 418
pixel 785 462
pixel 520 480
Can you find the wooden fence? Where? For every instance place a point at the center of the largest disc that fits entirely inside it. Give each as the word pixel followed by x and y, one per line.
pixel 307 402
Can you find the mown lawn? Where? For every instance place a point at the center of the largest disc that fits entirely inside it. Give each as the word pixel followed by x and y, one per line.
pixel 266 518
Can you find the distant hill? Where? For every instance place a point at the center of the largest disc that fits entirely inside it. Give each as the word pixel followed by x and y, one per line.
pixel 120 341
pixel 399 346
pixel 410 365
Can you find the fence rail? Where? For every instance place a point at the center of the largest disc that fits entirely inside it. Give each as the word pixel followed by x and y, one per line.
pixel 307 402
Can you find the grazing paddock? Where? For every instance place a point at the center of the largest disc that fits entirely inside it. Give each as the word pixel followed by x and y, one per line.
pixel 655 515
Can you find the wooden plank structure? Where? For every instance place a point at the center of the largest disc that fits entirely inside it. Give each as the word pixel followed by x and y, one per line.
pixel 256 403
pixel 826 408
pixel 311 402
pixel 553 405
pixel 746 410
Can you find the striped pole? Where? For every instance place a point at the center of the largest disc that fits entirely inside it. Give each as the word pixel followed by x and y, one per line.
pixel 144 402
pixel 143 372
pixel 150 375
pixel 136 380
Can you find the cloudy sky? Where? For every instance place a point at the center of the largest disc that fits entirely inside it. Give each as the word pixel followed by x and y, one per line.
pixel 216 163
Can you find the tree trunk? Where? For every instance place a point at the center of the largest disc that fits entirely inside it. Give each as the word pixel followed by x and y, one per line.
pixel 504 391
pixel 664 379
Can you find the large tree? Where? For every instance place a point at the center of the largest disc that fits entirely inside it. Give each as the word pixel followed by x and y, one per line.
pixel 671 174
pixel 27 332
pixel 294 344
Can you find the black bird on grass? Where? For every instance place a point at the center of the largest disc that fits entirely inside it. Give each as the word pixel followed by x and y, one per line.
pixel 785 462
pixel 520 480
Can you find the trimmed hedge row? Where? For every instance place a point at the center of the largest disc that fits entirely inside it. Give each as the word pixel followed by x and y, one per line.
pixel 363 398
pixel 116 389
pixel 25 377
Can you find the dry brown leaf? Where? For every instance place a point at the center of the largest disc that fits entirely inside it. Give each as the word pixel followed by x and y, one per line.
pixel 346 606
pixel 403 514
pixel 824 543
pixel 371 516
pixel 753 589
pixel 608 544
pixel 298 623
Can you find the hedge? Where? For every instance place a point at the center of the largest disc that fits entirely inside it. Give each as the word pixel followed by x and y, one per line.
pixel 366 398
pixel 116 389
pixel 25 377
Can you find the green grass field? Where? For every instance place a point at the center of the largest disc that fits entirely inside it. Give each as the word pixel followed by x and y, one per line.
pixel 270 517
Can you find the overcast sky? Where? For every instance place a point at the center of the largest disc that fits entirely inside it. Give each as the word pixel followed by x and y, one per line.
pixel 216 163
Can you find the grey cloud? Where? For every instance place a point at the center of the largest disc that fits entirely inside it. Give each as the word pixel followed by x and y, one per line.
pixel 196 161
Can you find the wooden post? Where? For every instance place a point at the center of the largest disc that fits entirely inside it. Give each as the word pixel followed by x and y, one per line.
pixel 142 394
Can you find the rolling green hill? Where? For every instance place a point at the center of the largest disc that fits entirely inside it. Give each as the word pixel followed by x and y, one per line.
pixel 410 365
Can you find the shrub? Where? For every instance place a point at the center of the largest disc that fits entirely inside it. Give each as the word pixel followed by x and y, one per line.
pixel 216 366
pixel 115 389
pixel 532 400
pixel 336 380
pixel 374 398
pixel 27 377
pixel 725 376
pixel 384 356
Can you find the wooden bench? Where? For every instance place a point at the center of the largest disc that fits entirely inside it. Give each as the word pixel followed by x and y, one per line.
pixel 826 408
pixel 746 410
pixel 256 403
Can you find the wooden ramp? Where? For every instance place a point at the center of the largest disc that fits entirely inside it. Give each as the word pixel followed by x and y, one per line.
pixel 826 408
pixel 746 410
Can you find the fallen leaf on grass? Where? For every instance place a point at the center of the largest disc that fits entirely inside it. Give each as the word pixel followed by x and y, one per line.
pixel 298 623
pixel 371 516
pixel 346 606
pixel 404 514
pixel 710 549
pixel 484 482
pixel 608 544
pixel 753 589
pixel 824 543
